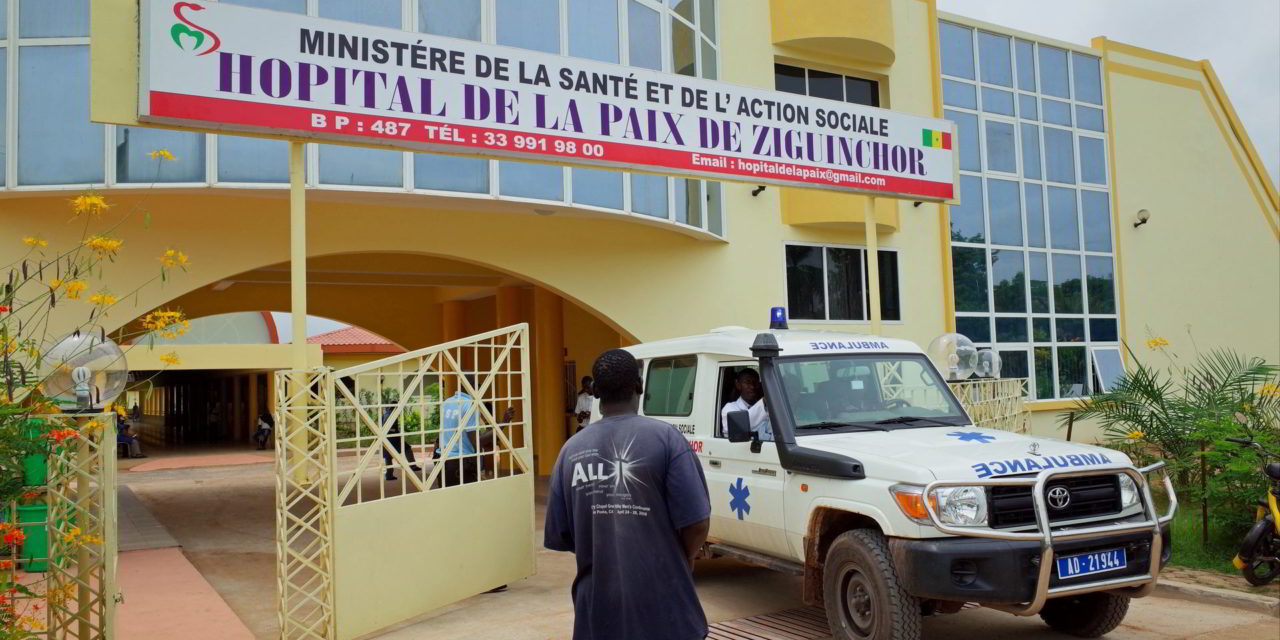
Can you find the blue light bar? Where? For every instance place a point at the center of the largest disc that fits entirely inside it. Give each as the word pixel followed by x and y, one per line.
pixel 778 318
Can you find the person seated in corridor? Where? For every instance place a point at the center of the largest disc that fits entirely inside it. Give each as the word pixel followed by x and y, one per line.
pixel 125 435
pixel 266 424
pixel 750 399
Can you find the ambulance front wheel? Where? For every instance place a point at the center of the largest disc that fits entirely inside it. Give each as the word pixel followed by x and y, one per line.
pixel 861 591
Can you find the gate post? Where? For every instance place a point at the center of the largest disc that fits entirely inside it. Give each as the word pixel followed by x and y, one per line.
pixel 305 498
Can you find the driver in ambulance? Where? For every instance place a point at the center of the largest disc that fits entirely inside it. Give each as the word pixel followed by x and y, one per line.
pixel 750 399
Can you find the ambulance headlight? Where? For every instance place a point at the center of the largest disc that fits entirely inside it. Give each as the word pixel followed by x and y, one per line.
pixel 1129 494
pixel 961 506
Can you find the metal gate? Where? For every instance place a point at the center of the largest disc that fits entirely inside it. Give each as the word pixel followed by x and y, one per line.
pixel 371 530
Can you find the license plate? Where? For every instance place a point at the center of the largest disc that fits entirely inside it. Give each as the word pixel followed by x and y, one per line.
pixel 1091 563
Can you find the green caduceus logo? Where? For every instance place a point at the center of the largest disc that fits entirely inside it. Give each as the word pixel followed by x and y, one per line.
pixel 190 36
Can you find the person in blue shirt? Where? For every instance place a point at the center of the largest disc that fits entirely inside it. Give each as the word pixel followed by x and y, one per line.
pixel 460 440
pixel 629 499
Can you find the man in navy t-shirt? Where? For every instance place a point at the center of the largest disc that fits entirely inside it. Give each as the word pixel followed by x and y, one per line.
pixel 629 499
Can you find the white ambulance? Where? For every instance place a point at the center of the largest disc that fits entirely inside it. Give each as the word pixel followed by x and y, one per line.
pixel 865 475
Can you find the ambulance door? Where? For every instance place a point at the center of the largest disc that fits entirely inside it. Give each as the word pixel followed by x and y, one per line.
pixel 747 487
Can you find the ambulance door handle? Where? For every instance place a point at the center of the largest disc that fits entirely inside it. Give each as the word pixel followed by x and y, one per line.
pixel 714 463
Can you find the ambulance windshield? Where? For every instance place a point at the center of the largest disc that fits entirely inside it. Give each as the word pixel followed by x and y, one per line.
pixel 889 391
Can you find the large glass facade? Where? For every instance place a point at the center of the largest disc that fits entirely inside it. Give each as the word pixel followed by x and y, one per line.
pixel 1032 252
pixel 46 101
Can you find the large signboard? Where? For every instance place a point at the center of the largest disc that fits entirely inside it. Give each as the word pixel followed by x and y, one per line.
pixel 221 66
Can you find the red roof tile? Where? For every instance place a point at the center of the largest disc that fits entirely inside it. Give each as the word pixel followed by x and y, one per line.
pixel 354 340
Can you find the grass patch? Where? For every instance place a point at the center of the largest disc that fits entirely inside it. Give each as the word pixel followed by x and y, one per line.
pixel 1189 549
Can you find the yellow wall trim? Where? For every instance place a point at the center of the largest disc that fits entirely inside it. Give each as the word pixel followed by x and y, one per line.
pixel 1121 308
pixel 944 211
pixel 1242 136
pixel 1051 405
pixel 1101 42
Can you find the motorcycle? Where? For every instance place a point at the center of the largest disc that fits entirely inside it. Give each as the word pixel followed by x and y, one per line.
pixel 1259 556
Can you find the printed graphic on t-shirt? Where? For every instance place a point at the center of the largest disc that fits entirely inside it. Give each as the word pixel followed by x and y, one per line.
pixel 606 479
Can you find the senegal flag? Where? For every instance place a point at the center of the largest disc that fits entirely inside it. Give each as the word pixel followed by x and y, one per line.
pixel 936 139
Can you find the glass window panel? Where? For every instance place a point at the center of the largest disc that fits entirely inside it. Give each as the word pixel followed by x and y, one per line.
pixel 1070 329
pixel 959 94
pixel 1024 51
pixel 1101 275
pixel 134 165
pixel 252 160
pixel 1027 107
pixel 525 180
pixel 288 6
pixel 1033 195
pixel 4 84
pixel 644 36
pixel 649 195
pixel 1057 112
pixel 452 18
pixel 715 214
pixel 957 50
pixel 684 8
pixel 684 55
pixel 1005 209
pixel 1008 277
pixel 1067 296
pixel 993 57
pixel 890 302
pixel 1044 372
pixel 969 274
pixel 709 70
pixel 1089 118
pixel 1000 148
pixel 844 284
pixel 1064 225
pixel 789 79
pixel 975 329
pixel 383 13
pixel 1040 331
pixel 598 188
pixel 669 386
pixel 688 207
pixel 53 18
pixel 966 217
pixel 707 18
pixel 1039 275
pixel 450 173
pixel 1108 367
pixel 1053 72
pixel 529 24
pixel 1011 330
pixel 1093 160
pixel 56 142
pixel 361 166
pixel 861 91
pixel 1086 75
pixel 826 85
pixel 997 101
pixel 1030 151
pixel 593 30
pixel 966 139
pixel 1103 330
pixel 1013 364
pixel 1073 373
pixel 1059 156
pixel 806 298
pixel 1096 208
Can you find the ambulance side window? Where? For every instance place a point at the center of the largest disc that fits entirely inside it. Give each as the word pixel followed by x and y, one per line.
pixel 668 387
pixel 727 393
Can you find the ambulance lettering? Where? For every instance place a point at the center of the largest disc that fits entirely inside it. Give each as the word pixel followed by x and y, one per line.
pixel 1032 465
pixel 842 346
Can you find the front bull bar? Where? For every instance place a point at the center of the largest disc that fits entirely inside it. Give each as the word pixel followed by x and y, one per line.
pixel 1142 585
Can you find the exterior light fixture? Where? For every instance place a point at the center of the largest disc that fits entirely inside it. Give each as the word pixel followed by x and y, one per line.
pixel 756 191
pixel 1143 217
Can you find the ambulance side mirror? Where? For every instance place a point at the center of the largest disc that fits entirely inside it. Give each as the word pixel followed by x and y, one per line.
pixel 737 426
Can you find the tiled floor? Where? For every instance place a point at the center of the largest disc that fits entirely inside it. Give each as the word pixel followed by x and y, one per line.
pixel 138 528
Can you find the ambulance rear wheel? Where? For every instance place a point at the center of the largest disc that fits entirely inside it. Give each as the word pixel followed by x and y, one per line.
pixel 861 591
pixel 1085 616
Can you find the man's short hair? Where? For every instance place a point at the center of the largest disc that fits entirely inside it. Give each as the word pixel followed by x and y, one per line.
pixel 586 379
pixel 744 373
pixel 616 374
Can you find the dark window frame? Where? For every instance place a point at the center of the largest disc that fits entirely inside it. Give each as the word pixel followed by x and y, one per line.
pixel 870 87
pixel 890 283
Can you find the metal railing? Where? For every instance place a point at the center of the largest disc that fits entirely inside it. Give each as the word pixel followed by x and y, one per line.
pixel 995 403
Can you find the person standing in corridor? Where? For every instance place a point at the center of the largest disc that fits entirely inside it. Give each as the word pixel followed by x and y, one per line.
pixel 629 499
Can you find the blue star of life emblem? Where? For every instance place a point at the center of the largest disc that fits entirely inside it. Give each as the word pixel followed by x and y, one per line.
pixel 739 491
pixel 972 436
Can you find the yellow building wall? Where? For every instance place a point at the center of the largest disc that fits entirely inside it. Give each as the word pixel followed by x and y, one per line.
pixel 197 357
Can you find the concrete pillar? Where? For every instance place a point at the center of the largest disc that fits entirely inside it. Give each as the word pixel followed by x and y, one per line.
pixel 251 407
pixel 236 422
pixel 548 383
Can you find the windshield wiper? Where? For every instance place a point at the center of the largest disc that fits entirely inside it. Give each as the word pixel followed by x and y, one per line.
pixel 830 425
pixel 906 419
